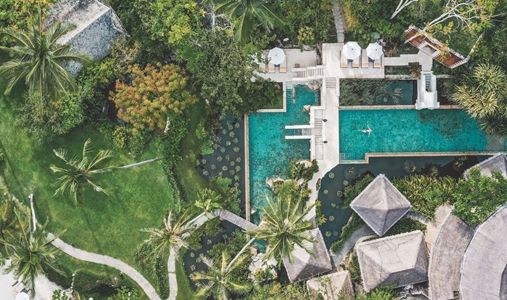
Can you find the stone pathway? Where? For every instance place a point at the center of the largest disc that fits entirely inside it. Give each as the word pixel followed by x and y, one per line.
pixel 108 261
pixel 337 258
pixel 338 19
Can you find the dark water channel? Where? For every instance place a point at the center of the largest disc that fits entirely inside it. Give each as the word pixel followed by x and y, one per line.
pixel 334 182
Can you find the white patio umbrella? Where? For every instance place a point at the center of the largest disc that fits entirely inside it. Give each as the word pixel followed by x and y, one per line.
pixel 22 296
pixel 374 51
pixel 351 50
pixel 276 56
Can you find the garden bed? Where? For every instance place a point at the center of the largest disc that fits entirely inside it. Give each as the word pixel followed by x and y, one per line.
pixel 226 156
pixel 355 92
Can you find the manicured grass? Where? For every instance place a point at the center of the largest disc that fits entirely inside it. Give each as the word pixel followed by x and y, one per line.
pixel 102 224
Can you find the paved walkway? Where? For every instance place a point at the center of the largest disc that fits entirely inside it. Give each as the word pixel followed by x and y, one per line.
pixel 337 258
pixel 111 262
pixel 338 19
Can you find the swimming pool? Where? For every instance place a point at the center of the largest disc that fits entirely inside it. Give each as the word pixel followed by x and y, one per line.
pixel 269 151
pixel 398 131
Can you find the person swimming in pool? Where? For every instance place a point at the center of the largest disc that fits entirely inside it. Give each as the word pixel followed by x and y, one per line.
pixel 369 130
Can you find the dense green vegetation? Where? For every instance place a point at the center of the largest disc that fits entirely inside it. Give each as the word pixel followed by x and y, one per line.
pixel 185 66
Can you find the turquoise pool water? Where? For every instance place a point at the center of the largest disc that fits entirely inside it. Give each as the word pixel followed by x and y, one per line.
pixel 269 151
pixel 411 131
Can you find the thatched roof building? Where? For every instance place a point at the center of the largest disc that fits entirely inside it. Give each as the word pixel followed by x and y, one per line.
pixel 446 256
pixel 484 267
pixel 380 205
pixel 305 265
pixel 96 26
pixel 496 162
pixel 329 286
pixel 397 260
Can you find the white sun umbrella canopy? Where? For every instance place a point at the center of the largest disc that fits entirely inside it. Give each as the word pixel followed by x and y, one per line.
pixel 276 56
pixel 22 296
pixel 351 50
pixel 374 51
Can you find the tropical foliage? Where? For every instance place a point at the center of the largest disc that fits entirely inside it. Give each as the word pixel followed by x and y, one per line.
pixel 477 197
pixel 30 252
pixel 171 236
pixel 277 291
pixel 483 95
pixel 426 193
pixel 219 279
pixel 77 173
pixel 245 15
pixel 208 200
pixel 38 60
pixel 18 13
pixel 368 91
pixel 155 94
pixel 224 72
pixel 283 226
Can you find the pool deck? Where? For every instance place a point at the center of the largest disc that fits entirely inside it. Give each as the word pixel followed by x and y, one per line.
pixel 324 139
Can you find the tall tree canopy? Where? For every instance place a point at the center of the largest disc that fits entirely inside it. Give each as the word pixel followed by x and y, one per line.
pixel 154 94
pixel 37 59
pixel 245 15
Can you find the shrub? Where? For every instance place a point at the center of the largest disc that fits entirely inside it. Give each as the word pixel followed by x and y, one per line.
pixel 425 193
pixel 354 223
pixel 169 142
pixel 298 170
pixel 120 137
pixel 479 196
pixel 352 191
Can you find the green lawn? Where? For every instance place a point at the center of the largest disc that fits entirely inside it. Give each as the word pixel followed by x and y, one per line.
pixel 103 224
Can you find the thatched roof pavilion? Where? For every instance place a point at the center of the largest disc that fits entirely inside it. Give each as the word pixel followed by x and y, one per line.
pixel 397 260
pixel 496 162
pixel 446 256
pixel 96 26
pixel 305 265
pixel 329 286
pixel 484 267
pixel 380 205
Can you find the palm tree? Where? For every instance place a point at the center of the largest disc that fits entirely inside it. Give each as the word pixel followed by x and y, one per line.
pixel 80 172
pixel 208 201
pixel 38 59
pixel 283 226
pixel 30 252
pixel 485 94
pixel 171 236
pixel 245 15
pixel 220 279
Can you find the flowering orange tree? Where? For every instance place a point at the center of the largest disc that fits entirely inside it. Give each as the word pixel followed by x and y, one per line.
pixel 155 93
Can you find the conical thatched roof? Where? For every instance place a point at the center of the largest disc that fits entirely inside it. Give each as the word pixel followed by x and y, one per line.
pixel 397 260
pixel 484 267
pixel 329 286
pixel 305 265
pixel 380 205
pixel 496 162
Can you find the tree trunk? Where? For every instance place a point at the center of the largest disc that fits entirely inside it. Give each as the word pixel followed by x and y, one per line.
pixel 128 166
pixel 239 253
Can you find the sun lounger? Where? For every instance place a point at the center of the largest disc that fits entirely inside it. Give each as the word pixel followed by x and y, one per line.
pixel 343 60
pixel 355 62
pixel 283 66
pixel 271 68
pixel 365 60
pixel 377 63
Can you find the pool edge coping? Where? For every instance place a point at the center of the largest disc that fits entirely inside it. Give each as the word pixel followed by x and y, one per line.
pixel 416 154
